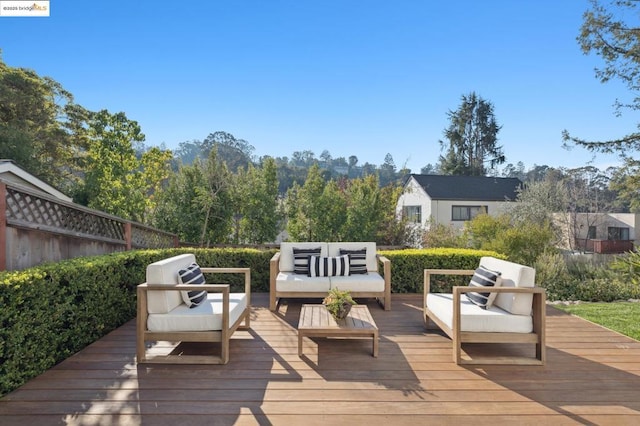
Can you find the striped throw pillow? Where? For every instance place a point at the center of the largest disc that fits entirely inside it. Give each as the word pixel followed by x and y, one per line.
pixel 357 260
pixel 192 275
pixel 488 278
pixel 301 259
pixel 320 266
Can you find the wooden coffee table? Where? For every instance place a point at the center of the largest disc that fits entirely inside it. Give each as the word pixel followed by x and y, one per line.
pixel 316 321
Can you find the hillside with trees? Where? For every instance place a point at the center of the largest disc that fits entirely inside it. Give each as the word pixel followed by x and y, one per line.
pixel 216 190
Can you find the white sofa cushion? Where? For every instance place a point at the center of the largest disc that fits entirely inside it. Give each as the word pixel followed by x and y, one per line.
pixel 475 319
pixel 288 281
pixel 371 260
pixel 512 275
pixel 207 316
pixel 286 253
pixel 371 281
pixel 165 272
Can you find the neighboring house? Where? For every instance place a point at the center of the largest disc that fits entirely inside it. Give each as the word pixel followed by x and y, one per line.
pixel 598 232
pixel 11 173
pixel 453 200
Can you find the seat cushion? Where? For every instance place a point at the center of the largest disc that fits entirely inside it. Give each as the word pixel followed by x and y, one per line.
pixel 474 318
pixel 289 281
pixel 371 281
pixel 207 316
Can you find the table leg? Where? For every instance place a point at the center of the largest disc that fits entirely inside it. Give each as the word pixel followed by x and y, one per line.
pixel 299 343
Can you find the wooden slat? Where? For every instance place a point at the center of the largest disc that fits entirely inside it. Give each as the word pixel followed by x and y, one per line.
pixel 592 376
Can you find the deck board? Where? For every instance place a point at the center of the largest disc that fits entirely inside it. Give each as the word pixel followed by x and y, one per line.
pixel 592 376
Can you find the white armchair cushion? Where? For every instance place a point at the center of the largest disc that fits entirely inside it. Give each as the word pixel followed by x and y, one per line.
pixel 163 272
pixel 475 319
pixel 207 316
pixel 512 275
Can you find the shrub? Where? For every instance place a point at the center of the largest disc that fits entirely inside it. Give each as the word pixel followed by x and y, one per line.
pixel 407 267
pixel 440 235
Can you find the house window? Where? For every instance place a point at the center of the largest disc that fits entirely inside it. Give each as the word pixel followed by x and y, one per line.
pixel 413 213
pixel 591 233
pixel 614 233
pixel 467 212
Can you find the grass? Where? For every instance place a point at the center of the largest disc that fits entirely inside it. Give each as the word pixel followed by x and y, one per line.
pixel 623 317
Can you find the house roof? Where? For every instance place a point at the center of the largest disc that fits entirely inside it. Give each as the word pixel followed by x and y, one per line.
pixel 472 188
pixel 11 173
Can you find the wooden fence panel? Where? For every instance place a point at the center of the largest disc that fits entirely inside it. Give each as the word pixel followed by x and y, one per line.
pixel 37 228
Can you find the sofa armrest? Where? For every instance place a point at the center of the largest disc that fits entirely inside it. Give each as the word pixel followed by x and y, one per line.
pixel 274 269
pixel 429 272
pixel 245 271
pixel 386 271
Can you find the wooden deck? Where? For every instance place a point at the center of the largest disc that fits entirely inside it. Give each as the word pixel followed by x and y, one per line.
pixel 592 376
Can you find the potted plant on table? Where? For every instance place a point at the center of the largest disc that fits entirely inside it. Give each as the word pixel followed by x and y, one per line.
pixel 339 303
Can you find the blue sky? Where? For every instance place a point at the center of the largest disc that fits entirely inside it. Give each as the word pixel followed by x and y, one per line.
pixel 362 78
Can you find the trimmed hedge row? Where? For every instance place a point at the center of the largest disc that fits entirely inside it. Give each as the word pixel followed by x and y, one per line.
pixel 407 267
pixel 52 311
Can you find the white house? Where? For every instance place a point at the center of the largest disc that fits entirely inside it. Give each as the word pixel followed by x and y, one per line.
pixel 453 200
pixel 11 173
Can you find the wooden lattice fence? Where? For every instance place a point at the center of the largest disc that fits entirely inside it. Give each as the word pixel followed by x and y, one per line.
pixel 36 228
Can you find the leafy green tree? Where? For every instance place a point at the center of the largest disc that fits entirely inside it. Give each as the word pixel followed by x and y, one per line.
pixel 472 139
pixel 236 153
pixel 612 32
pixel 197 203
pixel 387 170
pixel 257 199
pixel 177 210
pixel 626 182
pixel 213 198
pixel 41 128
pixel 393 229
pixel 523 242
pixel 113 179
pixel 304 212
pixel 365 209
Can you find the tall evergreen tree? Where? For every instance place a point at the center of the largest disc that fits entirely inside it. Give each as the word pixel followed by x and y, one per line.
pixel 471 139
pixel 612 32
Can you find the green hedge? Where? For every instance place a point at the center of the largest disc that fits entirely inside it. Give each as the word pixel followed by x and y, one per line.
pixel 407 267
pixel 51 311
pixel 54 310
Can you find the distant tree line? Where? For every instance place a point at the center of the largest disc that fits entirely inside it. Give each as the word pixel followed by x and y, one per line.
pixel 217 191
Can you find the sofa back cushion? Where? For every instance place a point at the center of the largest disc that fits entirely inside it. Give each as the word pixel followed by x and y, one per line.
pixel 287 260
pixel 512 275
pixel 371 260
pixel 165 272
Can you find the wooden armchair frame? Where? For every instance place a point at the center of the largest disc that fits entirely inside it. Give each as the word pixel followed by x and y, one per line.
pixel 222 336
pixel 537 336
